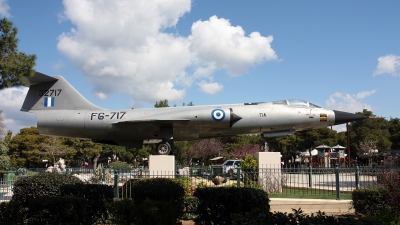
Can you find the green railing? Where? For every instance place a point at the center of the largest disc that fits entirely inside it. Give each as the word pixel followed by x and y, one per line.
pixel 292 182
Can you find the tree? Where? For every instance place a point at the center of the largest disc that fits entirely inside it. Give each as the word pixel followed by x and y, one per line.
pixel 161 104
pixel 372 129
pixel 245 150
pixel 367 149
pixel 181 151
pixel 55 148
pixel 13 64
pixel 205 149
pixel 233 143
pixel 4 158
pixel 2 127
pixel 394 130
pixel 25 148
pixel 86 150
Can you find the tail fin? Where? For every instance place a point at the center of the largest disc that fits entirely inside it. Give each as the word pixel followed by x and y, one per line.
pixel 53 93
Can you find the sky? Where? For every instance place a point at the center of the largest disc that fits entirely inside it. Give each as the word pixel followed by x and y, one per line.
pixel 341 55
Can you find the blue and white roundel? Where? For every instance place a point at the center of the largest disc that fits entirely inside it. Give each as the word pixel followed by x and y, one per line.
pixel 218 114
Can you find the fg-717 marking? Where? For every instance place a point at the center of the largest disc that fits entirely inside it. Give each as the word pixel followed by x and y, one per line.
pixel 101 116
pixel 49 93
pixel 71 115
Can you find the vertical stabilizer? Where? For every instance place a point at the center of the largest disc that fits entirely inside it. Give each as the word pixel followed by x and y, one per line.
pixel 53 93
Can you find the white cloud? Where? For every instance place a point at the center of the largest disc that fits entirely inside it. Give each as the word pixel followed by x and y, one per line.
pixel 210 88
pixel 11 101
pixel 4 7
pixel 58 65
pixel 349 102
pixel 388 64
pixel 122 46
pixel 101 95
pixel 218 44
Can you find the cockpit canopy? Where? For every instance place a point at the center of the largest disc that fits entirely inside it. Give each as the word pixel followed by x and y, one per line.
pixel 296 103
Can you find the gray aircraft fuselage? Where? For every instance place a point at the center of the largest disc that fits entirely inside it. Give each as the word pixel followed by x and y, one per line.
pixel 62 111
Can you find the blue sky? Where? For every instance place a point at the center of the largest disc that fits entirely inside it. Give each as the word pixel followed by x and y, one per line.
pixel 342 55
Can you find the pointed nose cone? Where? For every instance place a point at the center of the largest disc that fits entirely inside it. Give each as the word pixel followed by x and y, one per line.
pixel 344 117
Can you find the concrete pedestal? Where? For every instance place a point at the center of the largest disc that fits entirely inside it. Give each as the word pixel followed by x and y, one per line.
pixel 269 171
pixel 162 166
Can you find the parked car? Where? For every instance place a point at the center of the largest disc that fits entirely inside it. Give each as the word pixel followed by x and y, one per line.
pixel 230 165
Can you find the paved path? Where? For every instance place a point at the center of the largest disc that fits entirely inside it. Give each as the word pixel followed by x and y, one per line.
pixel 330 207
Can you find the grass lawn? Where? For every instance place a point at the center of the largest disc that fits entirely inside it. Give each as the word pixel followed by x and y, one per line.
pixel 310 194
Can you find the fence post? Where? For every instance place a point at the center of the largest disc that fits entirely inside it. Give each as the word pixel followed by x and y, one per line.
pixel 238 177
pixel 103 178
pixel 337 182
pixel 310 177
pixel 357 177
pixel 115 183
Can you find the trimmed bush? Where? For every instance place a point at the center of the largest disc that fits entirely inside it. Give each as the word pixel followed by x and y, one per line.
pixel 10 213
pixel 56 210
pixel 190 207
pixel 122 211
pixel 158 201
pixel 371 201
pixel 222 205
pixel 158 189
pixel 96 197
pixel 40 185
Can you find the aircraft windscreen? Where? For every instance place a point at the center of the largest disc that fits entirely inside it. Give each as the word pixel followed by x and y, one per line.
pixel 313 105
pixel 297 103
pixel 281 102
pixel 301 103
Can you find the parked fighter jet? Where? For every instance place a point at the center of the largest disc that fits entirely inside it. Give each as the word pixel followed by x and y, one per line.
pixel 62 111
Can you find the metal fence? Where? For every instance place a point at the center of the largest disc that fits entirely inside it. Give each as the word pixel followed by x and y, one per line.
pixel 334 183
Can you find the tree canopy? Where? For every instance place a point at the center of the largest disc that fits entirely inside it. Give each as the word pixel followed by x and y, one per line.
pixel 13 64
pixel 2 127
pixel 374 130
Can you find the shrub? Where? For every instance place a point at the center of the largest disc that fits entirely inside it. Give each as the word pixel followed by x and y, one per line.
pixel 159 189
pixel 223 205
pixel 40 185
pixel 56 210
pixel 371 201
pixel 190 205
pixel 187 185
pixel 390 180
pixel 10 213
pixel 160 212
pixel 158 200
pixel 120 166
pixel 96 197
pixel 201 185
pixel 122 211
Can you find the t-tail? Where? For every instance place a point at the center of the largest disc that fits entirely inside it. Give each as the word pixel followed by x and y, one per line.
pixel 53 93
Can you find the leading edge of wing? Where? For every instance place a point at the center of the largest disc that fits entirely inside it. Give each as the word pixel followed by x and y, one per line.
pixel 153 121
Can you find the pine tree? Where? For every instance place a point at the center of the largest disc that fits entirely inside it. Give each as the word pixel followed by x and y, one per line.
pixel 13 64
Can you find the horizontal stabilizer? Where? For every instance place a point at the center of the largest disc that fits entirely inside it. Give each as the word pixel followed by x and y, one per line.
pixel 37 78
pixel 53 93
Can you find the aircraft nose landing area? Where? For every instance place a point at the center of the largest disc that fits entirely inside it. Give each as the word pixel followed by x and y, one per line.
pixel 344 117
